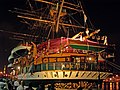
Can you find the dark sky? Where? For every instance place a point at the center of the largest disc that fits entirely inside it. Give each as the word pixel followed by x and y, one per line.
pixel 104 14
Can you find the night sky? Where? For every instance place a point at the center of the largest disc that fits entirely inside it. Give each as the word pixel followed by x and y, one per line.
pixel 104 14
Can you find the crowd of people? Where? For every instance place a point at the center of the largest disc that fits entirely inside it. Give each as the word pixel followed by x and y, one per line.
pixel 20 85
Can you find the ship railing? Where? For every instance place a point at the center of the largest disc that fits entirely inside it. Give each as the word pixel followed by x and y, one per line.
pixel 80 66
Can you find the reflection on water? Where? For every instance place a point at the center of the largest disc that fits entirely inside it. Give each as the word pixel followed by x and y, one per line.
pixel 111 86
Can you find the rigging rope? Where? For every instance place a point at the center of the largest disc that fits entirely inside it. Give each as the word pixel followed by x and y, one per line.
pixel 114 65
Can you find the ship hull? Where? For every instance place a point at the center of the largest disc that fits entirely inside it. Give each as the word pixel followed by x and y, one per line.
pixel 65 79
pixel 64 74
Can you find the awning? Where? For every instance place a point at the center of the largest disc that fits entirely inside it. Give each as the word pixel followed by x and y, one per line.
pixel 20 48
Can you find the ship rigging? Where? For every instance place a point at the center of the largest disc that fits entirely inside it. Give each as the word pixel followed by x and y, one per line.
pixel 72 54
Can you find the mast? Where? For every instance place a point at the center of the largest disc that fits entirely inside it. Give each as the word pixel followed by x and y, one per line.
pixel 51 22
pixel 63 6
pixel 56 17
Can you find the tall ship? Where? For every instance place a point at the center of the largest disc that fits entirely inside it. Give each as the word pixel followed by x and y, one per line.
pixel 64 50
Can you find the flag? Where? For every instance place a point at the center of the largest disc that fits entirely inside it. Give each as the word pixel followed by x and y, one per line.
pixel 100 58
